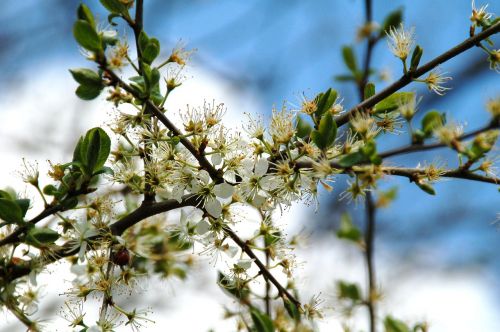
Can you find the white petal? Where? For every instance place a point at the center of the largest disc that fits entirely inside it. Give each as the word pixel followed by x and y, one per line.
pixel 223 190
pixel 231 251
pixel 81 253
pixel 216 159
pixel 202 227
pixel 213 207
pixel 245 264
pixel 261 167
pixel 204 176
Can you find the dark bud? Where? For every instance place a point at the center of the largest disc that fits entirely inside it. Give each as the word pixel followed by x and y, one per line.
pixel 121 257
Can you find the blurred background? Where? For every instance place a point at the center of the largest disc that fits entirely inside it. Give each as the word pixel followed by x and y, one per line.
pixel 439 255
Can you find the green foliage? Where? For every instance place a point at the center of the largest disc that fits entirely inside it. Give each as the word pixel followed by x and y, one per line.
pixel 393 325
pixel 84 14
pixel 369 90
pixel 350 59
pixel 39 236
pixel 115 7
pixel 324 102
pixel 394 101
pixel 262 322
pixel 86 35
pixel 302 127
pixel 392 20
pixel 415 57
pixel 349 231
pixel 326 133
pixel 92 151
pixel 10 211
pixel 426 187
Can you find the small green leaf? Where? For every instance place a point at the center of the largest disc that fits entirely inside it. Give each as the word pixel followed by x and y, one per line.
pixel 344 78
pixel 143 40
pixel 292 309
pixel 262 321
pixel 85 14
pixel 349 58
pixel 352 159
pixel 426 187
pixel 39 236
pixel 392 21
pixel 10 211
pixel 394 101
pixel 87 36
pixel 88 92
pixel 348 230
pixel 348 291
pixel 151 51
pixel 86 76
pixel 369 90
pixel 431 121
pixel 325 101
pixel 115 6
pixel 393 325
pixel 326 133
pixel 24 204
pixel 50 190
pixel 415 57
pixel 97 149
pixel 303 128
pixel 240 292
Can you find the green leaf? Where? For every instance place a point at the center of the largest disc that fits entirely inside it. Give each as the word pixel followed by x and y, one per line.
pixel 303 128
pixel 262 321
pixel 115 6
pixel 344 78
pixel 415 57
pixel 348 291
pixel 349 58
pixel 393 325
pixel 392 102
pixel 97 149
pixel 10 211
pixel 88 92
pixel 6 195
pixel 86 76
pixel 50 190
pixel 83 13
pixel 393 20
pixel 348 230
pixel 369 90
pixel 352 159
pixel 325 101
pixel 143 40
pixel 239 292
pixel 87 36
pixel 426 187
pixel 326 133
pixel 431 121
pixel 292 309
pixel 151 51
pixel 24 204
pixel 78 155
pixel 38 236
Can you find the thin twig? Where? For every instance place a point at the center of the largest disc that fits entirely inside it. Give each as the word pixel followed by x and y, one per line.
pixel 283 292
pixel 423 147
pixel 407 79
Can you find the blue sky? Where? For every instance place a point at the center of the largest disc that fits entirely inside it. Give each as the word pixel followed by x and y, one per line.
pixel 274 51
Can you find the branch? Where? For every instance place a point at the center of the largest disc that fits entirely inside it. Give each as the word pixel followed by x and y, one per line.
pixel 284 293
pixel 14 236
pixel 421 147
pixel 407 79
pixel 14 270
pixel 158 113
pixel 414 173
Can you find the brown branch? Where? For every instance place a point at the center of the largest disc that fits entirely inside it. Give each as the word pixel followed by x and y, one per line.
pixel 158 113
pixel 414 173
pixel 14 270
pixel 421 147
pixel 283 292
pixel 407 79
